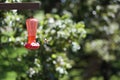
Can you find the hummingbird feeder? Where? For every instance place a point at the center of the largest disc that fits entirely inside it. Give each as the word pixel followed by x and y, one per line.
pixel 31 23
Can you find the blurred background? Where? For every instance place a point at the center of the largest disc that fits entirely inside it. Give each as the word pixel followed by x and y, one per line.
pixel 80 40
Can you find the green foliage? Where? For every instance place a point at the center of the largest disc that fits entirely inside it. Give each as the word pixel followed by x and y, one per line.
pixel 102 41
pixel 100 49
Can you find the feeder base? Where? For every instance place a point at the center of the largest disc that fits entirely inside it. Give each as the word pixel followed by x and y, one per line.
pixel 32 45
